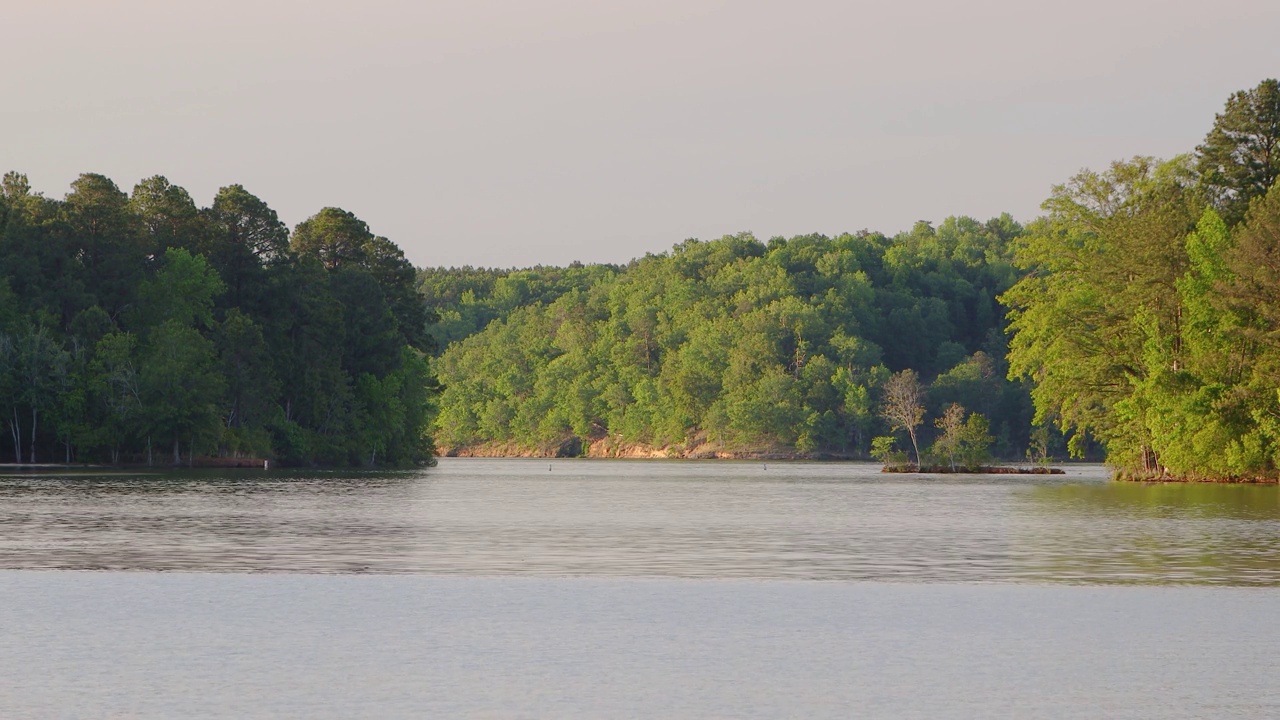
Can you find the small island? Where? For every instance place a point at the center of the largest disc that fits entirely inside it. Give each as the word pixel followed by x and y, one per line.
pixel 974 470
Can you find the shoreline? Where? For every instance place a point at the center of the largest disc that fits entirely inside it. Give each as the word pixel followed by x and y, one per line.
pixel 198 464
pixel 978 470
pixel 1127 476
pixel 604 449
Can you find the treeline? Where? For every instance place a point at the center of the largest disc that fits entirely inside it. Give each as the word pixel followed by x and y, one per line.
pixel 1149 317
pixel 464 300
pixel 734 345
pixel 141 328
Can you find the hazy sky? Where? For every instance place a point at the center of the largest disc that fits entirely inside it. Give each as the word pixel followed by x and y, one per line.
pixel 504 132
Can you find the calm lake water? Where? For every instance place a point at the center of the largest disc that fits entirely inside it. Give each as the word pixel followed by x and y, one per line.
pixel 573 588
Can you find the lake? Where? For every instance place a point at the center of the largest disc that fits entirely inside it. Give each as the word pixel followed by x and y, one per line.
pixel 577 588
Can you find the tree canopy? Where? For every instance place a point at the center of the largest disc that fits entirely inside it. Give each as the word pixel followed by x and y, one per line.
pixel 735 344
pixel 1138 316
pixel 140 326
pixel 1146 318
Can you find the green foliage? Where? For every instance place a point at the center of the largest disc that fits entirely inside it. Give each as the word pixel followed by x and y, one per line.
pixel 737 343
pixel 244 241
pixel 974 446
pixel 1097 263
pixel 142 328
pixel 951 424
pixel 168 216
pixel 1038 451
pixel 882 449
pixel 964 442
pixel 180 388
pixel 1148 316
pixel 1240 157
pixel 1141 309
pixel 183 290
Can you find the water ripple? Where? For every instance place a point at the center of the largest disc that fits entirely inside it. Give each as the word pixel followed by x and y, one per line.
pixel 669 519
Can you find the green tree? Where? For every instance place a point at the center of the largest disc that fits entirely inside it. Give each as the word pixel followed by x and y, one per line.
pixel 42 374
pixel 180 388
pixel 245 238
pixel 107 241
pixel 116 384
pixel 334 236
pixel 169 217
pixel 975 441
pixel 183 290
pixel 40 257
pixel 251 384
pixel 341 241
pixel 1101 279
pixel 1240 157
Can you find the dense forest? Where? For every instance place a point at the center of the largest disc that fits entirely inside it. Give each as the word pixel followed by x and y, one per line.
pixel 143 329
pixel 1148 316
pixel 1139 317
pixel 729 346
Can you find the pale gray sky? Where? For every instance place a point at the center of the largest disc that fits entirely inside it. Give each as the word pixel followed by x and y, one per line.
pixel 503 132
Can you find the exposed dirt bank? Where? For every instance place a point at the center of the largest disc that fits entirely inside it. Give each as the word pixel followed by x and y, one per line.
pixel 979 470
pixel 607 448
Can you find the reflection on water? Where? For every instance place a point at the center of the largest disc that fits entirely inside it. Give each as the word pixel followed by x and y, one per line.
pixel 1150 533
pixel 623 518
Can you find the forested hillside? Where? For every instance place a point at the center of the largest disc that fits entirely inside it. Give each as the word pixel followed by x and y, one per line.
pixel 141 328
pixel 1142 309
pixel 729 346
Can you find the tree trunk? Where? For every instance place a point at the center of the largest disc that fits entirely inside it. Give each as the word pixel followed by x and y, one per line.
pixel 1150 462
pixel 34 417
pixel 177 454
pixel 16 430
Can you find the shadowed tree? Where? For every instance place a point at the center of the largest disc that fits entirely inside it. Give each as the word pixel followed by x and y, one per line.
pixel 38 254
pixel 168 215
pixel 251 384
pixel 181 387
pixel 107 239
pixel 246 237
pixel 340 240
